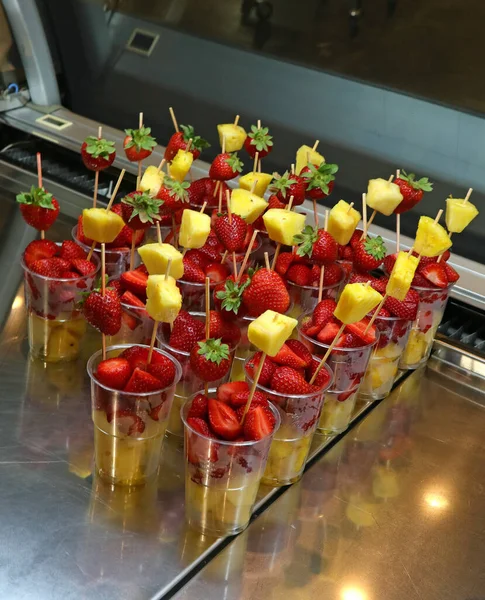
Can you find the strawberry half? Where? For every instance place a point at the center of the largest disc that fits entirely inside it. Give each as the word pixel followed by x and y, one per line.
pixel 223 420
pixel 287 357
pixel 141 382
pixel 359 330
pixel 267 371
pixel 226 391
pixel 39 249
pixel 258 424
pixel 435 273
pixel 199 407
pixel 135 282
pixel 114 372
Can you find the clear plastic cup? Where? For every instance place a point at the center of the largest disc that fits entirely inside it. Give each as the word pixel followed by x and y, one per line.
pixel 432 304
pixel 222 478
pixel 128 428
pixel 349 366
pixel 117 261
pixel 267 245
pixel 151 234
pixel 193 295
pixel 136 326
pixel 384 361
pixel 56 325
pixel 305 297
pixel 189 382
pixel 299 419
pixel 240 256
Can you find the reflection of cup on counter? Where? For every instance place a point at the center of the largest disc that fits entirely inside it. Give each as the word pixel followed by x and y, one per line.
pixel 318 489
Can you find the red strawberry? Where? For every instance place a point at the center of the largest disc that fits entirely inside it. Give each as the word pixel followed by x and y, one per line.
pixel 379 284
pixel 199 407
pixel 226 391
pixel 70 250
pixel 137 356
pixel 180 140
pixel 202 190
pixel 258 424
pixel 349 340
pixel 97 153
pixel 435 273
pixel 114 372
pixel 283 262
pixel 223 420
pixel 451 274
pixel 80 232
pixel 301 350
pixel 317 244
pixel 173 196
pixel 103 312
pixel 199 425
pixel 328 332
pixel 39 249
pixel 186 332
pixel 407 309
pixel 266 291
pixel 39 209
pixel 320 180
pixel 69 275
pixel 286 185
pixel 197 258
pixel 412 191
pixel 446 256
pixel 225 166
pixel 130 299
pixel 369 254
pixel 83 267
pixel 323 376
pixel 267 371
pixel 362 330
pixel 420 281
pixel 136 282
pixel 361 278
pixel 308 328
pixel 47 267
pixel 163 370
pixel 346 253
pixel 231 232
pixel 258 140
pixel 127 422
pixel 299 274
pixel 228 332
pixel 141 381
pixel 116 285
pixel 274 202
pixel 351 390
pixel 138 143
pixel 288 358
pixel 216 272
pixel 192 272
pixel 356 238
pixel 140 211
pixel 286 380
pixel 210 359
pixel 323 312
pixel 389 262
pixel 332 276
pixel 241 398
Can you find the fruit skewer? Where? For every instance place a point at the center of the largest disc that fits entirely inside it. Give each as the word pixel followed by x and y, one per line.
pixel 412 191
pixel 247 255
pixel 314 200
pixel 466 219
pixel 278 245
pixel 375 211
pixel 97 154
pixel 322 266
pixel 39 184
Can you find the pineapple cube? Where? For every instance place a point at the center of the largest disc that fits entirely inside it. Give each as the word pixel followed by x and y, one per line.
pixel 180 165
pixel 234 135
pixel 156 258
pixel 247 205
pixel 282 225
pixel 459 214
pixel 355 302
pixel 383 196
pixel 100 225
pixel 305 155
pixel 164 299
pixel 194 229
pixel 431 238
pixel 270 331
pixel 151 181
pixel 342 222
pixel 262 181
pixel 402 275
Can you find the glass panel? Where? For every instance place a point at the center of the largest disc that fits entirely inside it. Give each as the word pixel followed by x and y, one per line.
pixel 11 71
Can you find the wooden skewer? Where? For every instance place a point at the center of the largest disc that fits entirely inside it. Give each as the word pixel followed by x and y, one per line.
pixel 292 168
pixel 253 186
pixel 219 205
pixel 256 160
pixel 315 212
pixel 203 207
pixel 398 232
pixel 266 261
pixel 234 265
pixel 96 174
pixel 350 206
pixel 364 216
pixel 156 323
pixel 467 197
pixel 253 387
pixel 224 256
pixel 259 124
pixel 326 220
pixel 138 179
pixel 246 256
pixel 236 120
pixel 376 313
pixel 159 233
pixel 278 246
pixel 327 353
pixel 216 189
pixel 320 283
pixel 259 166
pixel 161 165
pixel 174 119
pixel 369 223
pixel 39 184
pixel 103 292
pixel 174 232
pixel 207 321
pixel 315 145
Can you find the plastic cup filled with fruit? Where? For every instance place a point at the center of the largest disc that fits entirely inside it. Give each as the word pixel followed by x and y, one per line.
pixel 348 361
pixel 224 459
pixel 228 261
pixel 151 234
pixel 187 331
pixel 54 285
pixel 305 297
pixel 131 402
pixel 285 380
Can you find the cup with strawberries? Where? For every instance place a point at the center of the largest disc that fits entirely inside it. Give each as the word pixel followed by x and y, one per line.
pixel 132 393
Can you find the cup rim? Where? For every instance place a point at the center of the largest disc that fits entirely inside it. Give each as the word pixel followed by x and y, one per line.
pixel 434 288
pixel 315 287
pixel 244 443
pixel 97 248
pixel 326 346
pixel 93 357
pixel 63 279
pixel 389 318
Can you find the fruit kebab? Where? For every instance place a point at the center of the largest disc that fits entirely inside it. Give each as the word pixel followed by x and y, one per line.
pixel 319 183
pixel 283 227
pixel 459 214
pixel 382 196
pixel 139 211
pixel 138 145
pixel 227 165
pixel 181 138
pixel 231 230
pixel 97 155
pixel 258 142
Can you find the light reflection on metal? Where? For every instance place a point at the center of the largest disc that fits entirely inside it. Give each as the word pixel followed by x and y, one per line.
pixel 436 500
pixel 352 593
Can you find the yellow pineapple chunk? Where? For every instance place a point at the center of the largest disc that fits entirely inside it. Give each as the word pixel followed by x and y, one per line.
pixel 247 205
pixel 100 225
pixel 342 222
pixel 402 275
pixel 156 258
pixel 262 180
pixel 270 331
pixel 194 229
pixel 356 300
pixel 282 225
pixel 234 135
pixel 305 155
pixel 164 299
pixel 431 238
pixel 459 214
pixel 152 180
pixel 180 165
pixel 383 196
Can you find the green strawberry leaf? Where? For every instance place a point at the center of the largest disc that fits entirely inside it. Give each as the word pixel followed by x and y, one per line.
pixel 423 184
pixel 140 139
pixel 146 208
pixel 319 178
pixel 375 247
pixel 213 350
pixel 198 142
pixel 231 295
pixel 305 240
pixel 36 197
pixel 99 148
pixel 235 162
pixel 281 183
pixel 260 138
pixel 177 189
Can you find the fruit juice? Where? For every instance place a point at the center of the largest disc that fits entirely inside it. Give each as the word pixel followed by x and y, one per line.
pixel 383 364
pixel 304 298
pixel 128 428
pixel 222 479
pixel 432 304
pixel 136 326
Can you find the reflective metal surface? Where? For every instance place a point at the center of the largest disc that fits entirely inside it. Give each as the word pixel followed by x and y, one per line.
pixel 393 511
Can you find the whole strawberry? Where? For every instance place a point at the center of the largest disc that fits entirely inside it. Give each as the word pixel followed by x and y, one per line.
pixel 140 211
pixel 225 166
pixel 180 140
pixel 286 185
pixel 266 291
pixel 138 143
pixel 317 244
pixel 369 254
pixel 320 180
pixel 258 140
pixel 287 380
pixel 39 209
pixel 202 190
pixel 231 232
pixel 173 195
pixel 412 191
pixel 103 312
pixel 210 359
pixel 97 153
pixel 186 332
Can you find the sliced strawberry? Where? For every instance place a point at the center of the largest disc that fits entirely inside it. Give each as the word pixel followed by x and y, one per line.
pixel 131 300
pixel 223 420
pixel 39 249
pixel 360 330
pixel 283 262
pixel 47 267
pixel 323 312
pixel 290 381
pixel 126 422
pixel 301 350
pixel 129 320
pixel 287 357
pixel 227 390
pixel 379 284
pixel 141 381
pixel 216 272
pixel 266 372
pixel 328 332
pixel 299 274
pixel 351 390
pixel 435 273
pixel 323 376
pixel 136 282
pixel 69 275
pixel 163 370
pixel 193 273
pixel 159 412
pixel 241 398
pixel 389 262
pixel 451 274
pixel 198 424
pixel 83 267
pixel 137 356
pixel 70 250
pixel 114 372
pixel 199 407
pixel 258 424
